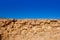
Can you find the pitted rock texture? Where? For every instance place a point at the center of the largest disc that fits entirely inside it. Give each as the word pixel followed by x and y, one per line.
pixel 29 29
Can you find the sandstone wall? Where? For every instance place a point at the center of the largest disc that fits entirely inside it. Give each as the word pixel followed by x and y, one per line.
pixel 29 29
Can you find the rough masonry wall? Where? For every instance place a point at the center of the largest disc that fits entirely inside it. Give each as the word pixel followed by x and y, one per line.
pixel 29 29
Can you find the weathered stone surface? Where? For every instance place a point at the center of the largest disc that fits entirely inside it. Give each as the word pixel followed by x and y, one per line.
pixel 29 29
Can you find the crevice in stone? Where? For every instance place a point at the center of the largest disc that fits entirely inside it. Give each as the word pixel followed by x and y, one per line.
pixel 9 22
pixel 53 20
pixel 0 37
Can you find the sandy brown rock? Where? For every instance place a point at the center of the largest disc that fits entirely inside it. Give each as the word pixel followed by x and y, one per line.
pixel 29 29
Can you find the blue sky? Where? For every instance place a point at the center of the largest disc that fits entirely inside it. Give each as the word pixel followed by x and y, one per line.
pixel 30 8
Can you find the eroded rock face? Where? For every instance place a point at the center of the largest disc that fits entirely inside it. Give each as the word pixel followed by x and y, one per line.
pixel 29 29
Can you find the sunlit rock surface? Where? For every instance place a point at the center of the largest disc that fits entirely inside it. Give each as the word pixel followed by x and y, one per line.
pixel 29 29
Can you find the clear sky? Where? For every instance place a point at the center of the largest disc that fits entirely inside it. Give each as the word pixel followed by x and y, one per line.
pixel 30 8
